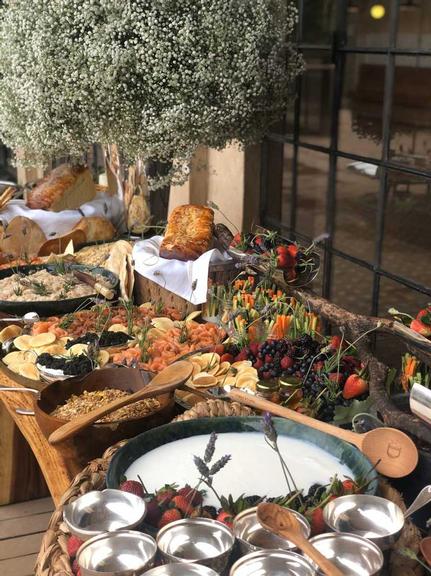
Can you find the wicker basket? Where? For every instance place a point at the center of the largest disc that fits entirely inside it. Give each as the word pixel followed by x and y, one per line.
pixel 53 559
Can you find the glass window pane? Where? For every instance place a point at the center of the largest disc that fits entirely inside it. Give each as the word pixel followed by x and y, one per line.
pixel 411 112
pixel 360 120
pixel 355 219
pixel 313 168
pixel 316 99
pixel 393 294
pixel 352 286
pixel 318 21
pixel 368 23
pixel 407 238
pixel 414 25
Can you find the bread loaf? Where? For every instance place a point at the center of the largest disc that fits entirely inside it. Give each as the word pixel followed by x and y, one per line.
pixel 96 228
pixel 188 233
pixel 65 188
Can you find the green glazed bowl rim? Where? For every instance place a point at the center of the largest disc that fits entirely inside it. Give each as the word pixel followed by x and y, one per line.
pixel 136 447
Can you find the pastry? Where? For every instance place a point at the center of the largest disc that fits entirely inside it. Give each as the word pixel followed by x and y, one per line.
pixel 188 234
pixel 96 228
pixel 65 188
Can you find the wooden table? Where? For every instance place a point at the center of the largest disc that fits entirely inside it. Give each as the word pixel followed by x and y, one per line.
pixel 19 476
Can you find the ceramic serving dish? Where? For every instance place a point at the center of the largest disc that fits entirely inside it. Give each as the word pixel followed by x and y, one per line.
pixel 165 455
pixel 56 307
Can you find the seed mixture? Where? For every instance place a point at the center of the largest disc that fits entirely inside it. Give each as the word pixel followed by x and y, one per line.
pixel 89 401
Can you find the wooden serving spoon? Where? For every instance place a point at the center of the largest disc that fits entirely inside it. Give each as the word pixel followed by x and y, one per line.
pixel 393 453
pixel 281 522
pixel 165 381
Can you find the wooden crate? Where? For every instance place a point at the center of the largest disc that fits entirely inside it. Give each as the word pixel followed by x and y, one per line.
pixel 148 291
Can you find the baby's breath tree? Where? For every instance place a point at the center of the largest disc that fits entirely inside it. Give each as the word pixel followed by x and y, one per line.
pixel 157 78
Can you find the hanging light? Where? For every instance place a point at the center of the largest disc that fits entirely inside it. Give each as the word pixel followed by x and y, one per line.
pixel 377 11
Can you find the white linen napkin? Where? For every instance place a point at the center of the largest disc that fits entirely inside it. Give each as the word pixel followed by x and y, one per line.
pixel 58 223
pixel 186 279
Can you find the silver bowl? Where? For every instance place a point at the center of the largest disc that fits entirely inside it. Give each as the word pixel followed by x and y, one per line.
pixel 181 569
pixel 352 554
pixel 106 511
pixel 253 537
pixel 125 553
pixel 372 517
pixel 197 540
pixel 272 563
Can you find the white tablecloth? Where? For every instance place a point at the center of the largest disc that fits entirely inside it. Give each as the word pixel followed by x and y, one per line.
pixel 186 279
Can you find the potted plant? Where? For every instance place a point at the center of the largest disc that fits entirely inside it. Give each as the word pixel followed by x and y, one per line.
pixel 156 79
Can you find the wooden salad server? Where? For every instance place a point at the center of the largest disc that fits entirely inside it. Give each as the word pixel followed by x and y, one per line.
pixel 283 523
pixel 165 381
pixel 393 453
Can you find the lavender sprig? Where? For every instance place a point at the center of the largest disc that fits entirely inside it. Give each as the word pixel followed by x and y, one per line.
pixel 209 450
pixel 271 438
pixel 219 464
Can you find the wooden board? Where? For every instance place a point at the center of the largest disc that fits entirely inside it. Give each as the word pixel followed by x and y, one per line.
pixel 58 467
pixel 148 291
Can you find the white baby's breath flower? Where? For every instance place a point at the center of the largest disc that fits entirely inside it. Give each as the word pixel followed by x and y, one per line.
pixel 158 78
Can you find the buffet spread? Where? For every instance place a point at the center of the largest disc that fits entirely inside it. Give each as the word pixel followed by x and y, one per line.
pixel 244 495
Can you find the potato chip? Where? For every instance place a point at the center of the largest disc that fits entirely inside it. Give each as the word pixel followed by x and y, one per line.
pixel 11 331
pixel 78 349
pixel 163 324
pixel 204 380
pixel 223 368
pixel 103 358
pixel 28 370
pixel 24 342
pixel 14 367
pixel 118 328
pixel 44 339
pixel 242 364
pixel 246 381
pixel 209 360
pixel 53 349
pixel 13 357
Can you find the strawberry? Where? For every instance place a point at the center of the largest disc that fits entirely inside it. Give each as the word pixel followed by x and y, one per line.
pixel 194 497
pixel 73 545
pixel 424 316
pixel 318 366
pixel 316 522
pixel 169 516
pixel 243 355
pixel 182 504
pixel 335 342
pixel 133 487
pixel 75 568
pixel 219 349
pixel 349 486
pixel 293 250
pixel 227 358
pixel 165 494
pixel 268 359
pixel 420 328
pixel 154 513
pixel 236 240
pixel 286 362
pixel 354 386
pixel 225 518
pixel 258 364
pixel 336 377
pixel 284 258
pixel 254 348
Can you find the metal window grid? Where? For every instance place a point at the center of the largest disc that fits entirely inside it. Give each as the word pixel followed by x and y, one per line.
pixel 338 51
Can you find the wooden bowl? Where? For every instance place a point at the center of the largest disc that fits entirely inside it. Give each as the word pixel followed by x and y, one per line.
pixel 92 442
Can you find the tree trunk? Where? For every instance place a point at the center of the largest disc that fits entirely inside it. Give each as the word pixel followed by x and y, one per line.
pixel 159 198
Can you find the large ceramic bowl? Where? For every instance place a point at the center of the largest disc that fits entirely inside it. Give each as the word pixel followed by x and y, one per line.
pixel 57 307
pixel 165 455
